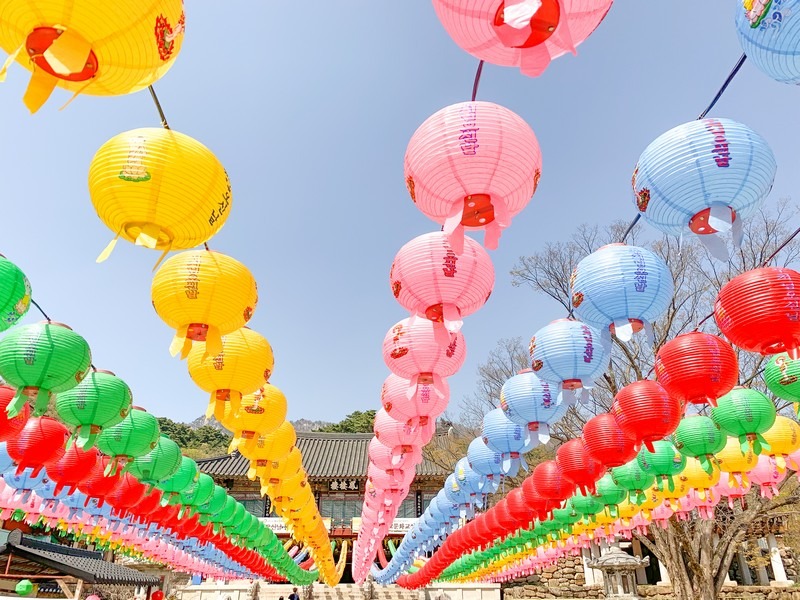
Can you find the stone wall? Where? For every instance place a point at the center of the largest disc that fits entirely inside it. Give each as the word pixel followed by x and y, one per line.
pixel 651 592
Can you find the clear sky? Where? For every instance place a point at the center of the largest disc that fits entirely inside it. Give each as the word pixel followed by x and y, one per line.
pixel 310 107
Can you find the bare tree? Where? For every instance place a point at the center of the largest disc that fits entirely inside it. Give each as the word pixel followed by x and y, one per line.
pixel 696 565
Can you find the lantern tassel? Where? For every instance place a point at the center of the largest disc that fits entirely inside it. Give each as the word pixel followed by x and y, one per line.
pixel 533 61
pixel 84 437
pixel 103 256
pixel 11 58
pixel 715 245
pixel 40 87
pixel 452 317
pixel 180 343
pixel 649 445
pixel 16 404
pixel 623 330
pixel 213 342
pixel 737 232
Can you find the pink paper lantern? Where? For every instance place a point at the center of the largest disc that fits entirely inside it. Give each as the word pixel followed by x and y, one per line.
pixel 728 487
pixel 381 456
pixel 473 165
pixel 520 33
pixel 767 475
pixel 419 409
pixel 397 436
pixel 423 352
pixel 428 278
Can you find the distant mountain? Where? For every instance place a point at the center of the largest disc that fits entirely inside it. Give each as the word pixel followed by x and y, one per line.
pixel 300 425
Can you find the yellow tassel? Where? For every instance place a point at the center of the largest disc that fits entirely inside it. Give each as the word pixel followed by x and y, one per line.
pixel 39 89
pixel 107 250
pixel 11 58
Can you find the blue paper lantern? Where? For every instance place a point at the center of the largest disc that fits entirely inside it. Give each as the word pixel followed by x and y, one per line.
pixel 25 482
pixel 6 462
pixel 621 288
pixel 571 354
pixel 470 480
pixel 704 177
pixel 769 32
pixel 487 462
pixel 533 403
pixel 506 437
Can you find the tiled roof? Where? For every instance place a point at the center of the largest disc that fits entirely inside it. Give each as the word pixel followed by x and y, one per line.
pixel 324 455
pixel 82 564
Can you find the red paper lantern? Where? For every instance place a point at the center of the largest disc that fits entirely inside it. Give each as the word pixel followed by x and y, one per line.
pixel 40 443
pixel 518 506
pixel 577 466
pixel 149 504
pixel 645 411
pixel 759 311
pixel 505 519
pixel 538 503
pixel 606 443
pixel 127 494
pixel 96 484
pixel 697 367
pixel 550 481
pixel 72 468
pixel 10 428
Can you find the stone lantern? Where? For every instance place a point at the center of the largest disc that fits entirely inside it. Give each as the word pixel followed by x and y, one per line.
pixel 619 573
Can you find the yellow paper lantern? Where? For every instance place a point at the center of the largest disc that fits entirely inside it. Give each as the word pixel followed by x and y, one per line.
pixel 260 413
pixel 93 47
pixel 287 487
pixel 159 189
pixel 244 365
pixel 731 460
pixel 269 471
pixel 697 478
pixel 783 438
pixel 203 295
pixel 272 446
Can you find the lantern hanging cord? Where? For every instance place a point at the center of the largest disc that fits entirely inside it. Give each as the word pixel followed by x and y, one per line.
pixel 477 81
pixel 39 308
pixel 164 123
pixel 736 68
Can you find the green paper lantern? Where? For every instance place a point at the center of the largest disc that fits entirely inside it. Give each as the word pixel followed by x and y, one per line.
pixel 610 493
pixel 586 506
pixel 663 464
pixel 199 493
pixel 160 463
pixel 213 505
pixel 745 413
pixel 782 376
pixel 566 516
pixel 699 437
pixel 100 401
pixel 42 359
pixel 15 293
pixel 184 477
pixel 225 514
pixel 134 436
pixel 634 479
pixel 24 587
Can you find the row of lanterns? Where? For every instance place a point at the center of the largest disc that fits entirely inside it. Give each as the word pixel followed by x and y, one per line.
pixel 472 165
pixel 113 449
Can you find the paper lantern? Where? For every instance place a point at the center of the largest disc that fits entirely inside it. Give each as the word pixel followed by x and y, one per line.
pixel 158 464
pixel 783 439
pixel 134 436
pixel 73 467
pixel 664 462
pixel 746 414
pixel 158 188
pixel 550 483
pixel 727 487
pixel 533 403
pixel 41 442
pixel 11 426
pixel 418 410
pixel 185 476
pixel 472 165
pixel 520 33
pixel 42 359
pixel 271 446
pixel 101 400
pixel 199 492
pixel 633 478
pixel 759 312
pixel 428 278
pixel 423 352
pixel 243 366
pixel 272 470
pixel 578 466
pixel 570 353
pixel 127 494
pixel 697 367
pixel 607 443
pixel 622 288
pixel 646 412
pixel 15 293
pixel 782 376
pixel 610 493
pixel 510 439
pixel 24 587
pixel 485 461
pixel 203 295
pixel 260 413
pixel 101 480
pixel 768 34
pixel 92 48
pixel 700 477
pixel 704 177
pixel 698 436
pixel 736 463
pixel 767 475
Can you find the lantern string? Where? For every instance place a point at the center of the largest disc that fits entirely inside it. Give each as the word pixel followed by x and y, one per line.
pixel 477 81
pixel 39 308
pixel 164 123
pixel 736 68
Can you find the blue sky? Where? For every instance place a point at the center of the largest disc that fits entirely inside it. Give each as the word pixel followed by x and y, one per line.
pixel 310 109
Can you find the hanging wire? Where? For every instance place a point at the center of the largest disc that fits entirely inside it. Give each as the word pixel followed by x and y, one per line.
pixel 703 114
pixel 477 81
pixel 39 308
pixel 161 114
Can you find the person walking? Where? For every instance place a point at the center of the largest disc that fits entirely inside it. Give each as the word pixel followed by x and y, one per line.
pixel 293 595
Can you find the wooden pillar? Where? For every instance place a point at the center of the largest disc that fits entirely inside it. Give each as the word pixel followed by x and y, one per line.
pixel 596 552
pixel 588 572
pixel 744 568
pixel 761 572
